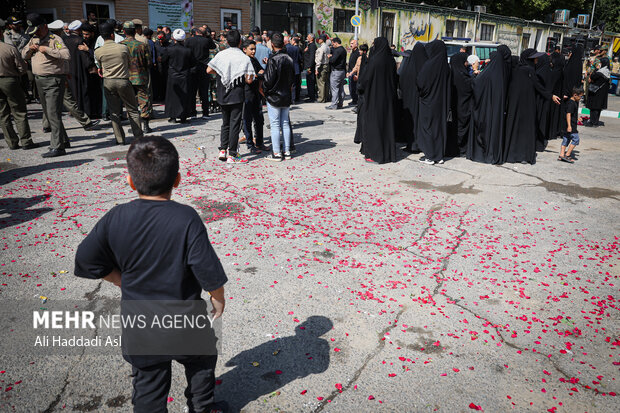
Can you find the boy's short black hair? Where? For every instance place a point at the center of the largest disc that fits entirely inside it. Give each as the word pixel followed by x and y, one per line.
pixel 337 40
pixel 247 43
pixel 233 38
pixel 106 30
pixel 153 164
pixel 364 48
pixel 277 40
pixel 578 90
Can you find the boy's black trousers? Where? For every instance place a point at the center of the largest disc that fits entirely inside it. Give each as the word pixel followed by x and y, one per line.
pixel 151 385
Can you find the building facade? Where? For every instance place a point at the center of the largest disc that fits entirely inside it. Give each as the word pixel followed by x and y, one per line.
pixel 403 23
pixel 174 13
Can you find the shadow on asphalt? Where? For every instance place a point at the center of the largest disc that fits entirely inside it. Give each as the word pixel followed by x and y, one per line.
pixel 18 212
pixel 262 370
pixel 17 173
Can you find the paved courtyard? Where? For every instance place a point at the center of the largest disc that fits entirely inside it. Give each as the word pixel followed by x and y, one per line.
pixel 352 286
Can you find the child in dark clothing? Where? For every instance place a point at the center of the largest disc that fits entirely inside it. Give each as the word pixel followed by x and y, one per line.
pixel 571 136
pixel 156 249
pixel 253 109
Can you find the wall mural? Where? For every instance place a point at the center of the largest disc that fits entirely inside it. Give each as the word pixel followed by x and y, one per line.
pixel 324 15
pixel 417 31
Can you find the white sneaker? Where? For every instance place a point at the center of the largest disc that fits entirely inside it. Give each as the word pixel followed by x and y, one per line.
pixel 222 155
pixel 287 155
pixel 440 162
pixel 427 161
pixel 276 157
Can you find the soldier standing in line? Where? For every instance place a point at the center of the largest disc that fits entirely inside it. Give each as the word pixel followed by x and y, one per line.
pixel 50 61
pixel 113 61
pixel 139 63
pixel 13 100
pixel 139 36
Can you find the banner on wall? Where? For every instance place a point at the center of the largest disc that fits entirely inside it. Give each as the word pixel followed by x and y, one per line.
pixel 176 14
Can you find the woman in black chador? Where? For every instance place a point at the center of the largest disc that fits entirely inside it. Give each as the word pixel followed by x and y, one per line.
pixel 598 92
pixel 407 77
pixel 555 112
pixel 461 101
pixel 434 89
pixel 525 88
pixel 486 137
pixel 378 86
pixel 543 105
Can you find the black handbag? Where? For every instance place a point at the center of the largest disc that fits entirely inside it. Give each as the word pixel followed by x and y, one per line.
pixel 592 88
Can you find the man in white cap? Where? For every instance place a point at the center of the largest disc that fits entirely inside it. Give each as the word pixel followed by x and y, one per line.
pixel 179 60
pixel 56 25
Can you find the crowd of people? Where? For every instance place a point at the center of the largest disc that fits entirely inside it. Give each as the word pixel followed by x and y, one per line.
pixel 503 109
pixel 448 108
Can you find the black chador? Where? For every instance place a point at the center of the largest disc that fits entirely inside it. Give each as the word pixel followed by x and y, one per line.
pixel 378 85
pixel 407 77
pixel 434 89
pixel 524 89
pixel 486 138
pixel 461 101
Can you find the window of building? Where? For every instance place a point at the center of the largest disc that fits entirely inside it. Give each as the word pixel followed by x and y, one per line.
pixel 292 17
pixel 387 28
pixel 342 21
pixel 525 41
pixel 230 18
pixel 456 28
pixel 104 10
pixel 486 32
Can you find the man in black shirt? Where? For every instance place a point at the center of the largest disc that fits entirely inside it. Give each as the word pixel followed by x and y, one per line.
pixel 338 63
pixel 155 249
pixel 200 45
pixel 310 67
pixel 295 53
pixel 352 61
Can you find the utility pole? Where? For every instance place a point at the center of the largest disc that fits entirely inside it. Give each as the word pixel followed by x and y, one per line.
pixel 357 12
pixel 592 17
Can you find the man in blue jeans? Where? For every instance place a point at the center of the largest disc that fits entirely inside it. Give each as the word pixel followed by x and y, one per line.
pixel 279 79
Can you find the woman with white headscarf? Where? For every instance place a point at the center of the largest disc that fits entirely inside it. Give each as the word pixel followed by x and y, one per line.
pixel 179 60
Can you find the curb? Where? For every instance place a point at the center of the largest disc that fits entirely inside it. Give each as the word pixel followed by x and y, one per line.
pixel 604 113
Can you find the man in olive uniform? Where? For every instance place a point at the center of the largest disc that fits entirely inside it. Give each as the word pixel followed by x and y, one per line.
pixel 14 36
pixel 12 99
pixel 113 62
pixel 139 36
pixel 139 63
pixel 50 61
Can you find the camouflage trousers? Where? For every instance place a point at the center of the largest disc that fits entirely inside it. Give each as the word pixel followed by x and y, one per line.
pixel 144 101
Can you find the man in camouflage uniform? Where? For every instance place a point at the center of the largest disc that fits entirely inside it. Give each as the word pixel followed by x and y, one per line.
pixel 139 64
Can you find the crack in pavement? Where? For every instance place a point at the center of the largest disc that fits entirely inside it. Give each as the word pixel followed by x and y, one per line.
pixel 360 370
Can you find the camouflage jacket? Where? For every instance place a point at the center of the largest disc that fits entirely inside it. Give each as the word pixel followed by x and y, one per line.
pixel 139 62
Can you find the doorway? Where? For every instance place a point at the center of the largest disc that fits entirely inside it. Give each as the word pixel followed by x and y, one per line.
pixel 387 26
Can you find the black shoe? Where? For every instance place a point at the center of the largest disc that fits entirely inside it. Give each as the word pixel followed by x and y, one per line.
pixel 183 120
pixel 205 115
pixel 355 109
pixel 339 107
pixel 90 125
pixel 67 144
pixel 31 145
pixel 172 120
pixel 145 126
pixel 121 143
pixel 54 153
pixel 13 147
pixel 47 130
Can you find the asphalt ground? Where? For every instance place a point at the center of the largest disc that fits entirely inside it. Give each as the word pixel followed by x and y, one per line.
pixel 352 286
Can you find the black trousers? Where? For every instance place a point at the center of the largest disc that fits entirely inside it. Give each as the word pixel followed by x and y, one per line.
pixel 297 88
pixel 151 385
pixel 595 116
pixel 253 111
pixel 200 84
pixel 353 90
pixel 311 84
pixel 231 125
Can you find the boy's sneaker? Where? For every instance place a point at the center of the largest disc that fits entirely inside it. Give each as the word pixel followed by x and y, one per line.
pixel 276 157
pixel 222 155
pixel 287 155
pixel 235 158
pixel 440 162
pixel 427 161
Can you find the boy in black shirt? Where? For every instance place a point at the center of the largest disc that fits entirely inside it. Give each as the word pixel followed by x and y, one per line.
pixel 571 135
pixel 156 249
